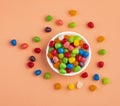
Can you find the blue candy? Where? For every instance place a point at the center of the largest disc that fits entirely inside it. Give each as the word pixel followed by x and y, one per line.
pixel 70 66
pixel 52 61
pixel 13 42
pixel 86 54
pixel 96 77
pixel 81 51
pixel 37 72
pixel 60 50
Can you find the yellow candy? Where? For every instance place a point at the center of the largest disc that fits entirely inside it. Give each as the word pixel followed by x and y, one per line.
pixel 100 39
pixel 76 42
pixel 73 12
pixel 71 86
pixel 71 60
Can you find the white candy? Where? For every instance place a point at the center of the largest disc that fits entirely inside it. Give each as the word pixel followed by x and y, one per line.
pixel 61 37
pixel 79 84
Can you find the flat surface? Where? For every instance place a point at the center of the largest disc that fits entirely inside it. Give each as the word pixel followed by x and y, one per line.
pixel 23 19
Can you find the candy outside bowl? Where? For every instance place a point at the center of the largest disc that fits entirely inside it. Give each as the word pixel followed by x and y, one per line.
pixel 60 35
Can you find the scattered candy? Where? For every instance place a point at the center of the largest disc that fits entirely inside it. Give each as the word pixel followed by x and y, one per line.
pixel 84 75
pixel 37 72
pixel 71 86
pixel 48 29
pixel 30 64
pixel 36 39
pixel 96 77
pixel 32 58
pixel 92 87
pixel 100 64
pixel 90 24
pixel 13 42
pixel 37 50
pixel 105 80
pixel 24 46
pixel 58 86
pixel 72 12
pixel 102 51
pixel 49 18
pixel 100 39
pixel 72 25
pixel 47 75
pixel 79 84
pixel 59 22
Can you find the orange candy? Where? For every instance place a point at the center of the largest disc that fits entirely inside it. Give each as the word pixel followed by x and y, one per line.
pixel 58 86
pixel 56 40
pixel 81 43
pixel 56 65
pixel 67 36
pixel 73 12
pixel 92 87
pixel 50 55
pixel 75 63
pixel 100 38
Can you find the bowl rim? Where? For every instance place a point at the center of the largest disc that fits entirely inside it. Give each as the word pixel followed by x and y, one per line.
pixel 62 34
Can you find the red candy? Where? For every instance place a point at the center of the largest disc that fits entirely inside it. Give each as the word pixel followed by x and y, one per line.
pixel 54 52
pixel 84 75
pixel 100 64
pixel 68 70
pixel 78 58
pixel 30 64
pixel 59 22
pixel 51 44
pixel 37 50
pixel 90 24
pixel 64 41
pixel 67 54
pixel 24 45
pixel 85 46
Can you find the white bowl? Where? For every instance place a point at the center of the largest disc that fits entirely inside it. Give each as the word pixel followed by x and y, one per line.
pixel 68 33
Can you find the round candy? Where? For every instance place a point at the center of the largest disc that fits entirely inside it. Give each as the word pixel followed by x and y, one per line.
pixel 61 37
pixel 79 84
pixel 56 65
pixel 75 63
pixel 81 51
pixel 54 52
pixel 59 22
pixel 49 18
pixel 77 38
pixel 78 58
pixel 55 59
pixel 13 42
pixel 62 66
pixel 100 64
pixel 68 70
pixel 71 39
pixel 37 50
pixel 50 55
pixel 72 25
pixel 81 64
pixel 30 64
pixel 58 86
pixel 62 71
pixel 61 55
pixel 57 40
pixel 72 12
pixel 70 48
pixel 67 54
pixel 96 77
pixel 47 75
pixel 75 51
pixel 64 41
pixel 24 45
pixel 51 44
pixel 71 86
pixel 100 38
pixel 65 60
pixel 90 24
pixel 77 68
pixel 50 49
pixel 32 58
pixel 48 29
pixel 102 51
pixel 84 75
pixel 66 44
pixel 36 39
pixel 85 46
pixel 92 87
pixel 60 50
pixel 76 42
pixel 105 80
pixel 71 59
pixel 70 66
pixel 85 54
pixel 58 45
pixel 37 72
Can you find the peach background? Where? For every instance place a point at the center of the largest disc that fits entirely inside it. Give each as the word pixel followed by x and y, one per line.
pixel 23 19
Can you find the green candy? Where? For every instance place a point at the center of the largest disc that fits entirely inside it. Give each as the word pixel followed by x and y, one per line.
pixel 102 51
pixel 105 80
pixel 62 66
pixel 62 71
pixel 36 39
pixel 72 55
pixel 75 51
pixel 47 75
pixel 71 39
pixel 65 50
pixel 77 37
pixel 61 55
pixel 72 25
pixel 65 60
pixel 49 18
pixel 77 68
pixel 50 49
pixel 58 45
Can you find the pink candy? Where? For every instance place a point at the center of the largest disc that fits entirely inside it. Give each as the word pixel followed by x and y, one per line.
pixel 70 48
pixel 66 44
pixel 55 59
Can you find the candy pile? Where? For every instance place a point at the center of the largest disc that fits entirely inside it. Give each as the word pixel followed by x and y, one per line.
pixel 68 53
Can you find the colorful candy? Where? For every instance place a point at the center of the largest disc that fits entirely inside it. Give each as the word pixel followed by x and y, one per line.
pixel 96 77
pixel 105 81
pixel 24 46
pixel 47 75
pixel 72 25
pixel 59 22
pixel 57 86
pixel 30 64
pixel 49 18
pixel 92 87
pixel 100 64
pixel 37 72
pixel 102 51
pixel 36 39
pixel 48 29
pixel 90 24
pixel 13 42
pixel 37 50
pixel 79 85
pixel 100 39
pixel 72 12
pixel 32 58
pixel 71 86
pixel 84 75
